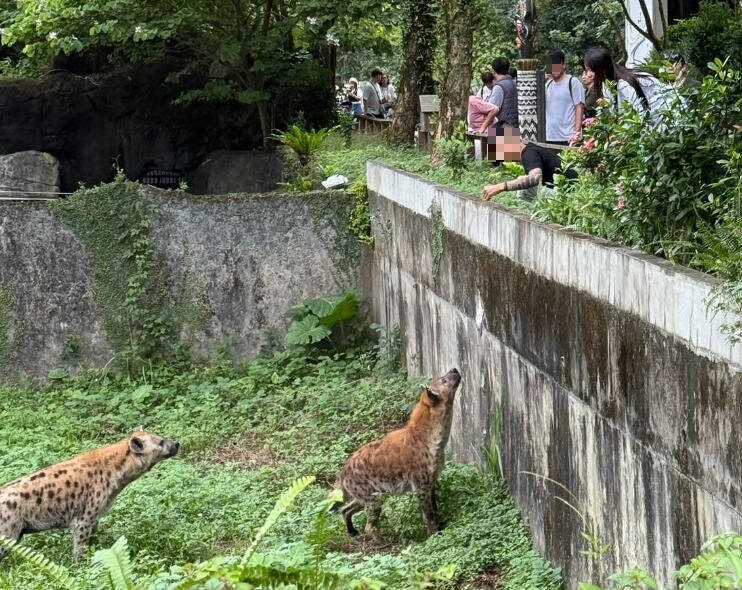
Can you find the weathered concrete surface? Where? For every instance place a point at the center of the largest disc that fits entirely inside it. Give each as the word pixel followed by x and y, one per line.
pixel 611 378
pixel 250 259
pixel 226 171
pixel 245 260
pixel 28 174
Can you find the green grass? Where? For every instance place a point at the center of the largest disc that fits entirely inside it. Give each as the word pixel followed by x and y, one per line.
pixel 337 158
pixel 246 433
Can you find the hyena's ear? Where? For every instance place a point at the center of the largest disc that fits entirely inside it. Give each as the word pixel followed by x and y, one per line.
pixel 136 445
pixel 432 394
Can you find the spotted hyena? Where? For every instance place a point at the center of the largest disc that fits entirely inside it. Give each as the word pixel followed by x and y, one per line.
pixel 76 493
pixel 405 460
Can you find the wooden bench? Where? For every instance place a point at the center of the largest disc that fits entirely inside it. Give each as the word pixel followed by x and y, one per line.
pixel 368 124
pixel 483 146
pixel 429 103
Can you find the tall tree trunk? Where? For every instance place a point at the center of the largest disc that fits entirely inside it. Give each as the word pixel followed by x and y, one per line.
pixel 458 16
pixel 418 44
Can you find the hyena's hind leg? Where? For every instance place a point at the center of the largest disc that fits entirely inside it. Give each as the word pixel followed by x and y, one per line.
pixel 373 513
pixel 348 510
pixel 11 530
pixel 429 508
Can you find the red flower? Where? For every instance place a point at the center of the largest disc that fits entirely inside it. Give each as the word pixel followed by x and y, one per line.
pixel 589 145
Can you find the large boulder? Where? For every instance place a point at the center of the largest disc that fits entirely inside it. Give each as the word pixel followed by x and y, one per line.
pixel 238 172
pixel 29 174
pixel 126 119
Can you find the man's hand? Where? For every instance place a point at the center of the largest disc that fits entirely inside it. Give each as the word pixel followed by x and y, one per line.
pixel 492 190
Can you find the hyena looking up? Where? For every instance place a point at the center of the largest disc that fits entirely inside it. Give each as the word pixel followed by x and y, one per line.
pixel 77 492
pixel 405 460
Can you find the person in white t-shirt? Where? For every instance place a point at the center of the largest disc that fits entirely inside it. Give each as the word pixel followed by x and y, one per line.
pixel 565 103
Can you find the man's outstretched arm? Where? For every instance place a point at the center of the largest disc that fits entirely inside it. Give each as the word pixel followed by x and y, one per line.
pixel 533 178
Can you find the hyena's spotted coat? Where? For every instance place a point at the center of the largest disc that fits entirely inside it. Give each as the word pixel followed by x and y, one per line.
pixel 405 460
pixel 76 493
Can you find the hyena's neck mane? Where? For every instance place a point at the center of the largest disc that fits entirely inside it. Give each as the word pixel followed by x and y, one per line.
pixel 432 420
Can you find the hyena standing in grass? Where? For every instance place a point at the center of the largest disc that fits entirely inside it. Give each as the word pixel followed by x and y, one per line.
pixel 405 460
pixel 76 493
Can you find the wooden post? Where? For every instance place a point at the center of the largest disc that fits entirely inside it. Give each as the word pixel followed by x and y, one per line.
pixel 429 103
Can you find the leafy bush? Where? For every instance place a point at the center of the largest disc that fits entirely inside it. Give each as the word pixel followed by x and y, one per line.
pixel 346 126
pixel 714 33
pixel 718 566
pixel 455 151
pixel 668 186
pixel 334 320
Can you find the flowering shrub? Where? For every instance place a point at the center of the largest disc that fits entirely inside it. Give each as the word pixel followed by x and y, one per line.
pixel 669 185
pixel 654 184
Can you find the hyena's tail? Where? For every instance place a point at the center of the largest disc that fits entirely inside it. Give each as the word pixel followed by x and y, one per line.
pixel 338 495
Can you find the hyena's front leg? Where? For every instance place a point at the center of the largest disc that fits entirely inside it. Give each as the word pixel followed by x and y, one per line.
pixel 81 532
pixel 429 507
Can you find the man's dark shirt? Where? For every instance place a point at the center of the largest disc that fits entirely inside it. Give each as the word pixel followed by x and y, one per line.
pixel 534 156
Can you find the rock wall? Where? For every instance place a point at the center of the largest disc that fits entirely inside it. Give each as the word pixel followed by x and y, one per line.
pixel 244 259
pixel 611 391
pixel 29 174
pixel 127 119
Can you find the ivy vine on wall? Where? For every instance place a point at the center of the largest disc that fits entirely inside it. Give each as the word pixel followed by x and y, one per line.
pixel 113 221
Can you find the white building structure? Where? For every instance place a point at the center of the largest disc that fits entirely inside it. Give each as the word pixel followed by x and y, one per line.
pixel 638 46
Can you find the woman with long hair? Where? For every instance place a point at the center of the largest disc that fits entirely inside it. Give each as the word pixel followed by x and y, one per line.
pixel 599 62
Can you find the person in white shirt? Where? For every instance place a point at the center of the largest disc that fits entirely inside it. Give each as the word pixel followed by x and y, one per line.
pixel 488 83
pixel 388 95
pixel 639 89
pixel 565 103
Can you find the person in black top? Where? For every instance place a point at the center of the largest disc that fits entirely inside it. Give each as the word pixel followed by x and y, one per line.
pixel 539 163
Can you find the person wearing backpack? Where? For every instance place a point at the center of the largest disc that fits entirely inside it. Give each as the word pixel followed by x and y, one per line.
pixel 565 103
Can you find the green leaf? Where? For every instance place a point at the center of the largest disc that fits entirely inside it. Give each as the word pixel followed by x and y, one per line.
pixel 306 331
pixel 58 373
pixel 334 309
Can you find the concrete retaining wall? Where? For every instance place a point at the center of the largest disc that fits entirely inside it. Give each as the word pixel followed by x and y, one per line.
pixel 617 391
pixel 246 259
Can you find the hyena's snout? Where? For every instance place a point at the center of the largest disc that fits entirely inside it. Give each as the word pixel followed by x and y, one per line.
pixel 170 448
pixel 453 377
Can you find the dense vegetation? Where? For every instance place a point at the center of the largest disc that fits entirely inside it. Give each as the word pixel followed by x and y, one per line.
pixel 246 433
pixel 670 186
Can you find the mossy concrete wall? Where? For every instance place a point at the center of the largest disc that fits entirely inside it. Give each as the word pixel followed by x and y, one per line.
pixel 237 263
pixel 612 379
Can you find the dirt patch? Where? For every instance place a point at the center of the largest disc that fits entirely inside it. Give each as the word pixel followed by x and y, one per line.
pixel 250 455
pixel 368 545
pixel 490 579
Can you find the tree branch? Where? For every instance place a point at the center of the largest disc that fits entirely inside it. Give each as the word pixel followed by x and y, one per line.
pixel 647 34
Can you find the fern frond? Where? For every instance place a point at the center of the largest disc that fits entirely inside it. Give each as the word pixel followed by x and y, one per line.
pixel 302 578
pixel 114 566
pixel 284 502
pixel 54 571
